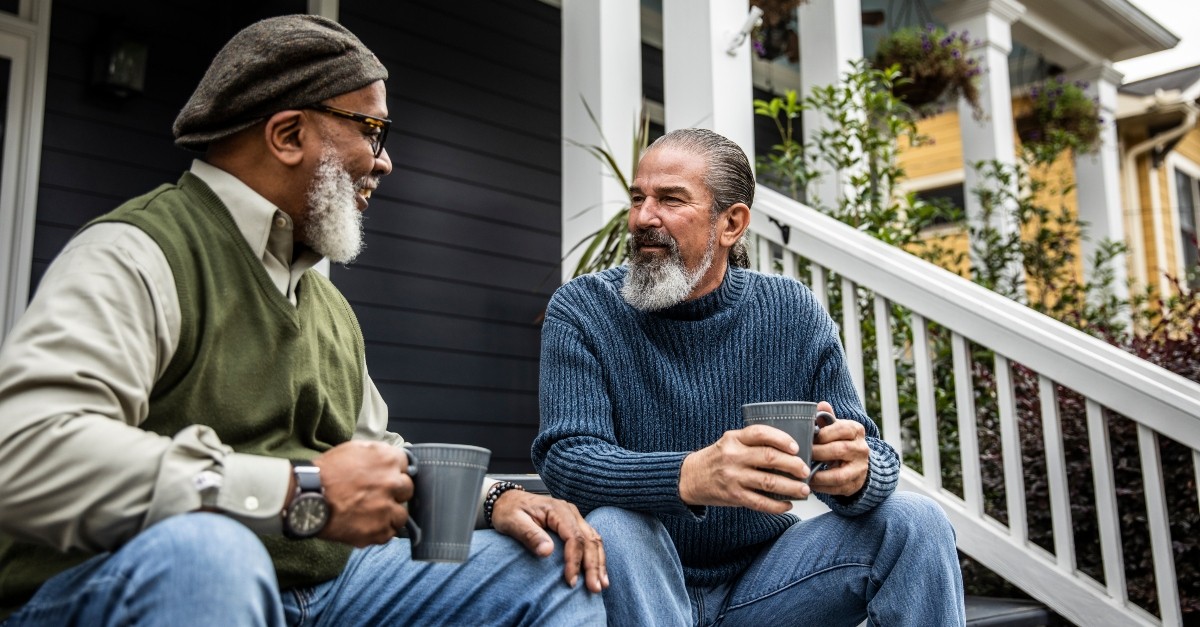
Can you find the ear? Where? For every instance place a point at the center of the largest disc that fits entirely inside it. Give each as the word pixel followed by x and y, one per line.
pixel 732 224
pixel 285 134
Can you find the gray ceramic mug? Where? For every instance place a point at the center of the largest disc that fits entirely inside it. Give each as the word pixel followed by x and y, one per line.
pixel 799 419
pixel 447 481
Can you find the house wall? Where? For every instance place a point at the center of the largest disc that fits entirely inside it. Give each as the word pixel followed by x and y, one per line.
pixel 1146 216
pixel 941 156
pixel 462 238
pixel 1189 146
pixel 99 151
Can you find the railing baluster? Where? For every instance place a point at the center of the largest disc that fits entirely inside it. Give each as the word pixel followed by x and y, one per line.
pixel 1160 529
pixel 852 330
pixel 766 263
pixel 1106 502
pixel 789 263
pixel 819 285
pixel 1196 470
pixel 968 440
pixel 889 400
pixel 931 460
pixel 1056 476
pixel 1010 448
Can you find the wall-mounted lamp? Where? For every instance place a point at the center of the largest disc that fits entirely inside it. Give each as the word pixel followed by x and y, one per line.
pixel 753 19
pixel 119 66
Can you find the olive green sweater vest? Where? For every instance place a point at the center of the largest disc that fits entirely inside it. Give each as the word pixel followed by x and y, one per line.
pixel 270 378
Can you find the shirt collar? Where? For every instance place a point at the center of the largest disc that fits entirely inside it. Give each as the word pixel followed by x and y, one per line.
pixel 255 217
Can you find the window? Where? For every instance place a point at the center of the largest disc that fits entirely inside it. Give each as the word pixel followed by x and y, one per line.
pixel 1187 195
pixel 952 200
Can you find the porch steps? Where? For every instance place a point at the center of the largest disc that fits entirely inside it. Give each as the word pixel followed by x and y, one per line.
pixel 981 611
pixel 993 612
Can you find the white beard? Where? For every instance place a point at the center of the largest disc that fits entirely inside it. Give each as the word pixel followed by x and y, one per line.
pixel 653 284
pixel 334 224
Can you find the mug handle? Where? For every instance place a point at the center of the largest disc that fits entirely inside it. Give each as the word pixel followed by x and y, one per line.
pixel 822 419
pixel 412 530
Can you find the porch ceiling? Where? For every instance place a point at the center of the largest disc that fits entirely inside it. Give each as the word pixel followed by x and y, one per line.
pixel 1077 33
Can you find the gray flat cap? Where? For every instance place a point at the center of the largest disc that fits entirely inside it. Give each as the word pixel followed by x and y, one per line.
pixel 270 66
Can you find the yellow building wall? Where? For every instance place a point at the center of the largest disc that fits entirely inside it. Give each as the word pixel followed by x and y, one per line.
pixel 1188 148
pixel 942 154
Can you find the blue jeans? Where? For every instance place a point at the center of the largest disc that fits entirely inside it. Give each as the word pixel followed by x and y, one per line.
pixel 895 565
pixel 205 569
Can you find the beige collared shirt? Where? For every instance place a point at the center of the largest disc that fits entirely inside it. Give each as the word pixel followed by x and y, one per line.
pixel 75 379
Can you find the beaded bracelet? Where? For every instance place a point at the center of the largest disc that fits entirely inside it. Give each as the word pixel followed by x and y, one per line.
pixel 493 495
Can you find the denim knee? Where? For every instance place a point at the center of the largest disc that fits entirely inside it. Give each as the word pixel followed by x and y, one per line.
pixel 620 526
pixel 618 518
pixel 206 542
pixel 919 513
pixel 189 569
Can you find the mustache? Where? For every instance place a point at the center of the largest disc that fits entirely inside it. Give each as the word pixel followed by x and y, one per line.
pixel 651 237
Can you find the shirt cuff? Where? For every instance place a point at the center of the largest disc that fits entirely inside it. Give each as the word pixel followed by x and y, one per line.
pixel 254 490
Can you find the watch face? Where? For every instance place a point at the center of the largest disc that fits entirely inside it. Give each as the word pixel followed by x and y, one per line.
pixel 307 515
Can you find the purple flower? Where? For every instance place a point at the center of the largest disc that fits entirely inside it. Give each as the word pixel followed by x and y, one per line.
pixel 956 53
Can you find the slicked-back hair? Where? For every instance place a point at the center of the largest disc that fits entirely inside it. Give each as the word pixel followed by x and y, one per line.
pixel 727 175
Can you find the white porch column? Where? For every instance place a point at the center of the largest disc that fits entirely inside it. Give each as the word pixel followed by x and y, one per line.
pixel 704 85
pixel 830 38
pixel 991 138
pixel 1097 175
pixel 602 65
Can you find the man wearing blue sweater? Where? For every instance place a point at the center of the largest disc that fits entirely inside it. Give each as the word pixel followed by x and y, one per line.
pixel 644 370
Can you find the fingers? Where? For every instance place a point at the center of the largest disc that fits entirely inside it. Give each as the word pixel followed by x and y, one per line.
pixel 843 447
pixel 841 430
pixel 527 517
pixel 843 480
pixel 365 486
pixel 763 435
pixel 737 467
pixel 583 548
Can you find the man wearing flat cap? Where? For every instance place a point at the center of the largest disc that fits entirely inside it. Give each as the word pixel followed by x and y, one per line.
pixel 188 433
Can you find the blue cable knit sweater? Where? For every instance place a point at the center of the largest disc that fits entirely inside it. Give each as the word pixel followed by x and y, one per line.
pixel 625 395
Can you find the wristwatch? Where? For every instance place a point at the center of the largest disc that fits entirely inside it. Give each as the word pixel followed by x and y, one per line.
pixel 308 512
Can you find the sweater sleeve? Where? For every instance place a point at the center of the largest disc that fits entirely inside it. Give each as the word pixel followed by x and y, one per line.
pixel 576 451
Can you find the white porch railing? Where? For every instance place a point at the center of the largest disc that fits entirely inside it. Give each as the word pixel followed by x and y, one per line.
pixel 1160 402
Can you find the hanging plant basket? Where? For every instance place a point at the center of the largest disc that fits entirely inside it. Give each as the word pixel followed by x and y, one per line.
pixel 1060 116
pixel 932 63
pixel 920 92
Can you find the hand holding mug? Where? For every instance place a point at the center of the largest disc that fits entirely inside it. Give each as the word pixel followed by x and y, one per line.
pixel 366 484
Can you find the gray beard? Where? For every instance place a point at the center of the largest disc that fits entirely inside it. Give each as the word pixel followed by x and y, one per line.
pixel 654 284
pixel 334 224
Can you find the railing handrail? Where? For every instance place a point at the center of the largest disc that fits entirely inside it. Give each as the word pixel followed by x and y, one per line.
pixel 1140 390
